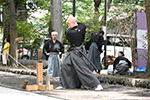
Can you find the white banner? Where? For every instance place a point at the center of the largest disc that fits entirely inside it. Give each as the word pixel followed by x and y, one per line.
pixel 142 42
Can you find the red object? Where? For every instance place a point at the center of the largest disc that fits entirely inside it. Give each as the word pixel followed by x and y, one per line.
pixel 109 60
pixel 20 50
pixel 68 50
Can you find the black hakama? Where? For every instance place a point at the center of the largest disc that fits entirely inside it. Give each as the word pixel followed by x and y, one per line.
pixel 94 56
pixel 75 71
pixel 75 68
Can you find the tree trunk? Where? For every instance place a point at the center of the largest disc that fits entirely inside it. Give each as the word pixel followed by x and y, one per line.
pixel 6 25
pixel 13 32
pixel 56 18
pixel 147 5
pixel 21 10
pixel 97 4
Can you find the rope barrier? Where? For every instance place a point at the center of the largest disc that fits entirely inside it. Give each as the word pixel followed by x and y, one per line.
pixel 17 61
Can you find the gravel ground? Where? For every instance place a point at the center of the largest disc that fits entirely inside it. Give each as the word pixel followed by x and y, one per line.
pixel 110 92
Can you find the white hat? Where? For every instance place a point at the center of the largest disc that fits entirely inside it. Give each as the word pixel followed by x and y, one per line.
pixel 54 32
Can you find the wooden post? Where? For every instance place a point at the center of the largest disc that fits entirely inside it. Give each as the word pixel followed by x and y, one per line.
pixel 39 74
pixel 25 83
pixel 39 68
pixel 42 87
pixel 39 55
pixel 32 87
pixel 47 82
pixel 39 78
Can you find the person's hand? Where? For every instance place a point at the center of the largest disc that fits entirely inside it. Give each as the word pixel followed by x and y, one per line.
pixel 87 50
pixel 59 53
pixel 48 54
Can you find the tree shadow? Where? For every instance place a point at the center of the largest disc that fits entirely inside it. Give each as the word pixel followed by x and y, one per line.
pixel 141 93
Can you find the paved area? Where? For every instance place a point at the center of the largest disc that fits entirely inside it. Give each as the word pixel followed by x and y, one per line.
pixel 13 94
pixel 11 86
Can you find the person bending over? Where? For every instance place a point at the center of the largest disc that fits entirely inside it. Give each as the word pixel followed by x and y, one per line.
pixel 74 69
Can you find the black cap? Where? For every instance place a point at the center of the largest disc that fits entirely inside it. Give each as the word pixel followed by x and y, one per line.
pixel 121 53
pixel 101 31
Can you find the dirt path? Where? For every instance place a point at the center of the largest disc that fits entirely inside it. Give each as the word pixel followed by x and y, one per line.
pixel 110 92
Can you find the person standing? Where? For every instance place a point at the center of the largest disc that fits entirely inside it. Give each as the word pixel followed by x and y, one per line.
pixel 74 69
pixel 6 51
pixel 94 49
pixel 53 48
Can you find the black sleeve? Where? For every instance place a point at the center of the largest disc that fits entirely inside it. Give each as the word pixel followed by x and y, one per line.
pixel 45 47
pixel 61 48
pixel 129 63
pixel 115 63
pixel 87 45
pixel 100 44
pixel 76 34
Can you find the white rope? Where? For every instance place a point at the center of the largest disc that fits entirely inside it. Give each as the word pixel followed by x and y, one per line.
pixel 18 62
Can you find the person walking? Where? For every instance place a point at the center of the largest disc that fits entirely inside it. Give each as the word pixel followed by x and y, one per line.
pixel 53 48
pixel 74 69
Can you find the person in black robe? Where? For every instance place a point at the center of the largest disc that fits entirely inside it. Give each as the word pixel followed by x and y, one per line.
pixel 74 69
pixel 121 65
pixel 53 49
pixel 94 49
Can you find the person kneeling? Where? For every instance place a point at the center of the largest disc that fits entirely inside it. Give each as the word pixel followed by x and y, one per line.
pixel 121 65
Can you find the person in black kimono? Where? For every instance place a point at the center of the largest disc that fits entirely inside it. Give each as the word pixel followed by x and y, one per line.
pixel 94 49
pixel 53 48
pixel 74 69
pixel 121 65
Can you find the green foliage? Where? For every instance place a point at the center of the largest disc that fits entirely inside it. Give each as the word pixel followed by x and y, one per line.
pixel 27 31
pixel 2 1
pixel 122 15
pixel 32 32
pixel 42 4
pixel 124 8
pixel 133 2
pixel 84 12
pixel 35 29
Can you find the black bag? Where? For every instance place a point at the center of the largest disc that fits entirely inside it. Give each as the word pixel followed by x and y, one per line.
pixel 122 68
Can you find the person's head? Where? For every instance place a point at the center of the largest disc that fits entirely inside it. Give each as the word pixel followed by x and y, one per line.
pixel 6 40
pixel 72 22
pixel 120 53
pixel 54 35
pixel 101 32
